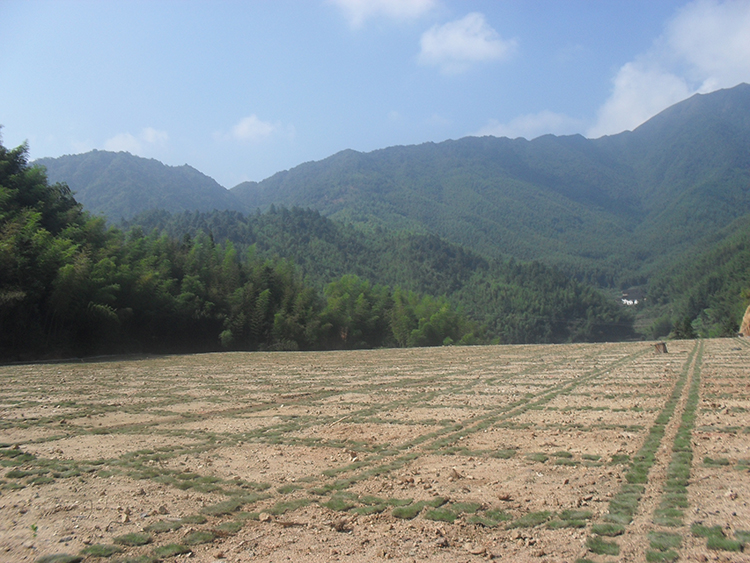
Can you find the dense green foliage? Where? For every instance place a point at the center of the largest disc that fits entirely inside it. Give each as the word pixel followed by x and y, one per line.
pixel 613 211
pixel 515 302
pixel 70 285
pixel 707 296
pixel 663 208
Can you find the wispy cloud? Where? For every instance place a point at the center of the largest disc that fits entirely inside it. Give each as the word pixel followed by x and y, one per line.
pixel 253 129
pixel 135 144
pixel 357 11
pixel 532 125
pixel 455 46
pixel 706 46
pixel 154 136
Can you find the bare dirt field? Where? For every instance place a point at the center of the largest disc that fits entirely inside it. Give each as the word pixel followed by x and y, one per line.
pixel 593 452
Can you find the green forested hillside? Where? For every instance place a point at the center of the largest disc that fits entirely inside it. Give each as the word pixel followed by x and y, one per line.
pixel 69 285
pixel 120 185
pixel 514 302
pixel 707 295
pixel 660 208
pixel 613 211
pixel 500 197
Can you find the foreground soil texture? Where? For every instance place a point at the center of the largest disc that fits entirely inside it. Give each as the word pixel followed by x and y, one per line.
pixel 582 452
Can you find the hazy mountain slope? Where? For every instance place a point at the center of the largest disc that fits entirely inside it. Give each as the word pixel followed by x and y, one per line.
pixel 121 185
pixel 611 209
pixel 614 210
pixel 691 168
pixel 530 199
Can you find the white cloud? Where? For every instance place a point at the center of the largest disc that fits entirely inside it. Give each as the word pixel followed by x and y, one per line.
pixel 456 45
pixel 357 11
pixel 706 46
pixel 640 91
pixel 154 136
pixel 532 125
pixel 253 129
pixel 130 143
pixel 123 142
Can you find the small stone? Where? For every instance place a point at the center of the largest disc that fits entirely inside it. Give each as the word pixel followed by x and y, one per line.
pixel 341 525
pixel 442 542
pixel 124 518
pixel 163 510
pixel 265 517
pixel 475 549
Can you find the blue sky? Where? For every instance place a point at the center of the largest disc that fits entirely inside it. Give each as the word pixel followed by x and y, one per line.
pixel 241 90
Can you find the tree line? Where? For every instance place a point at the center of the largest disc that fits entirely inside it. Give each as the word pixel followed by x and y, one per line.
pixel 512 301
pixel 71 285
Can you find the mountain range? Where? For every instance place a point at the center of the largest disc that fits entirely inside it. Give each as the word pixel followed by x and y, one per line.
pixel 614 211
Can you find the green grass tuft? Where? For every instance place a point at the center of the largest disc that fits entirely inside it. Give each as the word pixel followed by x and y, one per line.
pixel 715 462
pixel 602 547
pixel 193 519
pixel 231 527
pixel 608 529
pixel 199 537
pixel 100 550
pixel 557 524
pixel 133 539
pixel 59 558
pixel 572 514
pixel 407 512
pixel 706 531
pixel 663 541
pixel 720 543
pixel 288 506
pixel 467 507
pixel 531 519
pixel 441 515
pixel 163 526
pixel 659 556
pixel 671 517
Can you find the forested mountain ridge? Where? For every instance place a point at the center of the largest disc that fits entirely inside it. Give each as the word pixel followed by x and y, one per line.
pixel 70 285
pixel 118 184
pixel 614 210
